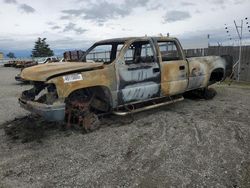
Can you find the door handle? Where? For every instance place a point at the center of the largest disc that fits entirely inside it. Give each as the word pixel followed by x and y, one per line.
pixel 156 69
pixel 182 67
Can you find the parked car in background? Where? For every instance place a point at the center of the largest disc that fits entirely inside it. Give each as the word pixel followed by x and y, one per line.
pixel 48 60
pixel 20 63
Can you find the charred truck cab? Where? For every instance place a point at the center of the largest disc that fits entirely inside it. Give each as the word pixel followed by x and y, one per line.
pixel 121 76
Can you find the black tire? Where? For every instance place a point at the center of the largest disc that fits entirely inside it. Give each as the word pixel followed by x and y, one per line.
pixel 209 93
pixel 204 93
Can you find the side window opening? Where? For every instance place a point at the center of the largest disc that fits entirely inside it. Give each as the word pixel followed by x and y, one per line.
pixel 147 54
pixel 169 51
pixel 139 52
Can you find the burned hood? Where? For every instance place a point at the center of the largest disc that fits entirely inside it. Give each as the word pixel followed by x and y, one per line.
pixel 45 71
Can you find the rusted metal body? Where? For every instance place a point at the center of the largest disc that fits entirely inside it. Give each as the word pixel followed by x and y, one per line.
pixel 136 70
pixel 47 60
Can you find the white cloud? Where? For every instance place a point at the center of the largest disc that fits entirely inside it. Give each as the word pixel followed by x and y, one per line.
pixel 103 11
pixel 10 1
pixel 26 8
pixel 72 27
pixel 73 24
pixel 176 15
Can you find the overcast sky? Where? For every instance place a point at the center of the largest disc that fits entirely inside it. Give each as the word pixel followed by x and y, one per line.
pixel 74 24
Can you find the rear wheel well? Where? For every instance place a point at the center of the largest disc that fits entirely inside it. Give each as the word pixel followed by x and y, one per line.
pixel 216 75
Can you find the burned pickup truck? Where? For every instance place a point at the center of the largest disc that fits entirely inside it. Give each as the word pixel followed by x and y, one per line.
pixel 120 76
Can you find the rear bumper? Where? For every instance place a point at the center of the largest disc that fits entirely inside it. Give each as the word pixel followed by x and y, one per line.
pixel 55 112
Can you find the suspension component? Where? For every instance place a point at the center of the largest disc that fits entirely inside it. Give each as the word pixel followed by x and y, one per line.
pixel 78 111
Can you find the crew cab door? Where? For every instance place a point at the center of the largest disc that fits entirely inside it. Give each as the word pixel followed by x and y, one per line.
pixel 138 72
pixel 174 67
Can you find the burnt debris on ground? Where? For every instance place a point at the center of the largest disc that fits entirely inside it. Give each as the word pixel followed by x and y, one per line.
pixel 29 128
pixel 35 129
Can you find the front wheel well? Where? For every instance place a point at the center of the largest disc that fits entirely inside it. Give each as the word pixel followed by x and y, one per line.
pixel 100 95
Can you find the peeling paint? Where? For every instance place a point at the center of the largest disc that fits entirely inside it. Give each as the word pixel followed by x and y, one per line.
pixel 140 91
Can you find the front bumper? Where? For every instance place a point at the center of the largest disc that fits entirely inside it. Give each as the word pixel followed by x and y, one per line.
pixel 20 79
pixel 55 112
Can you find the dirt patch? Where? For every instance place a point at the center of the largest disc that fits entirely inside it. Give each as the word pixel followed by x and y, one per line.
pixel 35 129
pixel 29 128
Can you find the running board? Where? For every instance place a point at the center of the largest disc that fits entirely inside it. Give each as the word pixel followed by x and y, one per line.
pixel 123 113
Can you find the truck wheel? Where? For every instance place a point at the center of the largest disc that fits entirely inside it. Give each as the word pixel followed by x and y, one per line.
pixel 91 122
pixel 209 93
pixel 205 93
pixel 78 111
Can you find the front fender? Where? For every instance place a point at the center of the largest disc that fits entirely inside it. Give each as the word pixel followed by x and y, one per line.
pixel 101 77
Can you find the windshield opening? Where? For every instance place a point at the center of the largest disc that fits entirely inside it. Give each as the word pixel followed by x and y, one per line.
pixel 105 53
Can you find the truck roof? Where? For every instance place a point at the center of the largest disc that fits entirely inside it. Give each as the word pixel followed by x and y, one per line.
pixel 124 39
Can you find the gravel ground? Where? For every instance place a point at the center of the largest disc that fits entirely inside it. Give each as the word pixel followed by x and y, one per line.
pixel 9 92
pixel 193 143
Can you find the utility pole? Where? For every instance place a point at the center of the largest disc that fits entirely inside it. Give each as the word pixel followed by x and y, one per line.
pixel 240 50
pixel 208 40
